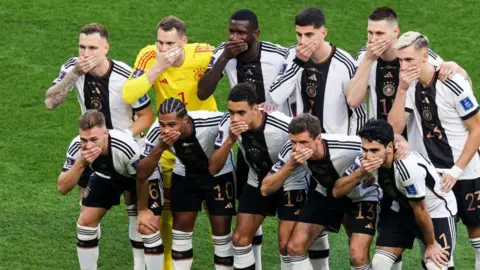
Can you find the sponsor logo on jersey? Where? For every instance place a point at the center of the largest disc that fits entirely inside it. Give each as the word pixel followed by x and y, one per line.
pixel 137 73
pixel 164 81
pixel 411 189
pixel 466 103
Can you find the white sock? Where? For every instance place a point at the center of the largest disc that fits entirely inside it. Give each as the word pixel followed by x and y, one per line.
pixel 135 238
pixel 153 251
pixel 319 252
pixel 257 247
pixel 383 260
pixel 284 262
pixel 182 250
pixel 397 265
pixel 301 263
pixel 243 258
pixel 223 253
pixel 363 267
pixel 476 246
pixel 87 247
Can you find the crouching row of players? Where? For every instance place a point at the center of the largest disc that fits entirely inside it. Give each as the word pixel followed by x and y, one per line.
pixel 309 180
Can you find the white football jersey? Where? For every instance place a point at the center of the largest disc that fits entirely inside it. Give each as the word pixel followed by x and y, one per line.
pixel 194 151
pixel 367 189
pixel 299 179
pixel 105 93
pixel 439 111
pixel 120 160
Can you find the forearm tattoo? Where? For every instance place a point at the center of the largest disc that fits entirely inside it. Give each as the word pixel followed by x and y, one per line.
pixel 56 94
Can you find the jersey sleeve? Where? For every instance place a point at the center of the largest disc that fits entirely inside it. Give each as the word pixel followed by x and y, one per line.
pixel 286 80
pixel 131 164
pixel 283 157
pixel 74 153
pixel 360 55
pixel 464 100
pixel 151 139
pixel 355 165
pixel 410 101
pixel 434 58
pixel 68 66
pixel 138 85
pixel 223 130
pixel 412 179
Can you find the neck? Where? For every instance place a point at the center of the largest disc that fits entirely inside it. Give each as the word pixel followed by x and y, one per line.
pixel 389 161
pixel 322 53
pixel 180 60
pixel 251 53
pixel 101 69
pixel 390 54
pixel 105 145
pixel 427 71
pixel 257 121
pixel 188 130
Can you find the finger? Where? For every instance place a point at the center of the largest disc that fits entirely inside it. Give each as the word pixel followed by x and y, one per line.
pixel 233 42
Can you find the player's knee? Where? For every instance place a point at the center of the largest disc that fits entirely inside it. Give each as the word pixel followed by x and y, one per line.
pixel 144 230
pixel 221 225
pixel 282 247
pixel 240 239
pixel 358 255
pixel 296 248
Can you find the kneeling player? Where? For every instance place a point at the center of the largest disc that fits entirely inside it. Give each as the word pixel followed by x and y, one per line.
pixel 112 156
pixel 419 208
pixel 191 137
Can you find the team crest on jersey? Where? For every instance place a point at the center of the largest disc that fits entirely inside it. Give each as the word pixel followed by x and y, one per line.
pixel 466 103
pixel 199 74
pixel 96 104
pixel 426 114
pixel 388 90
pixel 411 189
pixel 137 73
pixel 311 91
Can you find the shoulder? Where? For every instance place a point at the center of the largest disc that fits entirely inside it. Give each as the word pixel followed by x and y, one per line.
pixel 433 55
pixel 121 68
pixel 457 84
pixel 74 147
pixel 124 143
pixel 291 52
pixel 145 55
pixel 342 141
pixel 225 119
pixel 199 50
pixel 70 62
pixel 404 167
pixel 345 59
pixel 273 48
pixel 206 118
pixel 153 132
pixel 278 120
pixel 287 147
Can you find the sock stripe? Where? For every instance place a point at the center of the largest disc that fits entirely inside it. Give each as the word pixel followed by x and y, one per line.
pixel 242 250
pixel 387 254
pixel 86 232
pixel 151 240
pixel 298 258
pixel 364 267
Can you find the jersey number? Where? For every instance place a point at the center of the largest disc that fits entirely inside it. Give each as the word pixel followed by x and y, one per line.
pixel 384 105
pixel 182 95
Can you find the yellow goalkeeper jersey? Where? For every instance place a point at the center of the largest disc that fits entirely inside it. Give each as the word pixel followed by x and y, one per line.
pixel 177 82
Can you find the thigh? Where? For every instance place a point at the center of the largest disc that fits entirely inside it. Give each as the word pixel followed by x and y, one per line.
pixel 254 203
pixel 185 197
pixel 101 192
pixel 360 242
pixel 221 225
pixel 395 231
pixel 467 193
pixel 322 210
pixel 290 204
pixel 220 195
pixel 305 234
pixel 285 232
pixel 445 233
pixel 363 217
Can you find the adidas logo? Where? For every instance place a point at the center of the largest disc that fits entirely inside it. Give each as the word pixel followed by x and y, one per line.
pixel 313 78
pixel 389 75
pixel 369 226
pixel 229 206
pixel 154 205
pixel 249 72
pixel 297 212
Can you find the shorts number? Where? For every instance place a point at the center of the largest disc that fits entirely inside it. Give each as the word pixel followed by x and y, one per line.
pixel 371 212
pixel 182 95
pixel 229 190
pixel 443 237
pixel 153 190
pixel 289 199
pixel 471 197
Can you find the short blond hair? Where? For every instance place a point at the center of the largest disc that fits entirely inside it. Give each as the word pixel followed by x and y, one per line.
pixel 91 119
pixel 412 38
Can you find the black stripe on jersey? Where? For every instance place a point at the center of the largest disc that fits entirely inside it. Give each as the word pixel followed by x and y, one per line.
pixel 344 147
pixel 361 117
pixel 267 46
pixel 213 120
pixel 121 68
pixel 360 52
pixel 74 148
pixel 430 184
pixel 214 125
pixel 456 89
pixel 287 147
pixel 360 157
pixel 70 62
pixel 282 54
pixel 273 124
pixel 403 170
pixel 336 142
pixel 120 72
pixel 343 59
pixel 152 136
pixel 278 123
pixel 290 73
pixel 357 147
pixel 122 149
pixel 124 145
pixel 432 54
pixel 225 117
pixel 221 46
pixel 288 50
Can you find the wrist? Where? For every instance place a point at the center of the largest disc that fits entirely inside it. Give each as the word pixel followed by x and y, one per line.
pixel 231 140
pixel 455 171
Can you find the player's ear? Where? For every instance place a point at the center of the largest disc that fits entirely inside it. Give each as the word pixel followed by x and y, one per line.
pixel 184 39
pixel 389 148
pixel 396 31
pixel 324 32
pixel 256 33
pixel 107 48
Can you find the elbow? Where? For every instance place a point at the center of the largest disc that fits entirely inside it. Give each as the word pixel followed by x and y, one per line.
pixel 264 189
pixel 201 93
pixel 62 189
pixel 336 193
pixel 212 168
pixel 353 102
pixel 49 105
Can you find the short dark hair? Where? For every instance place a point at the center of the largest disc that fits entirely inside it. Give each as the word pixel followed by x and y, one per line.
pixel 94 28
pixel 305 122
pixel 171 22
pixel 310 16
pixel 246 15
pixel 377 130
pixel 383 13
pixel 90 119
pixel 173 105
pixel 243 92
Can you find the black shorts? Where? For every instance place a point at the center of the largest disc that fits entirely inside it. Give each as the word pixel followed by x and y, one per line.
pixel 241 173
pixel 289 205
pixel 363 217
pixel 83 181
pixel 467 195
pixel 188 192
pixel 323 210
pixel 253 202
pixel 105 193
pixel 155 194
pixel 400 230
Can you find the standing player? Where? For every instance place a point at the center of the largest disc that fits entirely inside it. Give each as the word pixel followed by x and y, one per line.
pixel 318 74
pixel 112 156
pixel 191 136
pixel 448 123
pixel 420 209
pixel 98 82
pixel 245 59
pixel 261 138
pixel 174 68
